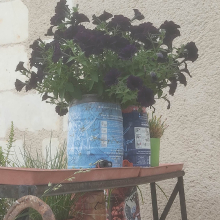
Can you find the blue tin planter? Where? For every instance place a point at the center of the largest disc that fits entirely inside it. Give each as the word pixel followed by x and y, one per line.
pixel 95 133
pixel 136 138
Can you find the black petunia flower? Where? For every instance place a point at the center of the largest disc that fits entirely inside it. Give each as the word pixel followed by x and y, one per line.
pixel 191 53
pixel 161 57
pixel 90 41
pixel 134 82
pixel 57 19
pixel 172 85
pixel 116 43
pixel 32 83
pixel 171 32
pixel 103 17
pixel 145 97
pixel 33 80
pixel 78 18
pixel 182 79
pixel 137 15
pixel 20 67
pixel 19 85
pixel 121 22
pixel 36 58
pixel 142 33
pixel 35 45
pixel 61 111
pixel 57 54
pixel 153 76
pixel 111 77
pixel 40 74
pixel 60 13
pixel 50 31
pixel 127 52
pixel 45 96
pixel 71 31
pixel 58 34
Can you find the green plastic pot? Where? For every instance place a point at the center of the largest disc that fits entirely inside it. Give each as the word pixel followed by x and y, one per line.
pixel 155 151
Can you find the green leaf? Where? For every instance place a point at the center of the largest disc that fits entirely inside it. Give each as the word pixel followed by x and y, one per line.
pixel 69 87
pixel 94 76
pixel 55 93
pixel 61 94
pixel 160 93
pixel 70 59
pixel 100 88
pixel 77 92
pixel 90 83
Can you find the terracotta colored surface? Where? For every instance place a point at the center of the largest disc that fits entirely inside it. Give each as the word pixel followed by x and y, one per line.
pixel 30 202
pixel 163 168
pixel 29 176
pixel 90 206
pixel 133 108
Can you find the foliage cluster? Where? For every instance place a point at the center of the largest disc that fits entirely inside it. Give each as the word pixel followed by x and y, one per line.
pixel 156 126
pixel 61 205
pixel 118 61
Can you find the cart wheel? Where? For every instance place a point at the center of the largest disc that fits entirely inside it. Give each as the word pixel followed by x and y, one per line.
pixel 30 202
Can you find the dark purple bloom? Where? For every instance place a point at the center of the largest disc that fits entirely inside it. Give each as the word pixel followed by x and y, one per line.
pixel 191 52
pixel 182 79
pixel 36 58
pixel 127 52
pixel 81 18
pixel 32 83
pixel 19 85
pixel 71 31
pixel 90 41
pixel 61 6
pixel 57 19
pixel 137 15
pixel 20 67
pixel 78 18
pixel 116 43
pixel 142 33
pixel 111 77
pixel 103 17
pixel 61 110
pixel 60 10
pixel 33 80
pixel 28 87
pixel 35 45
pixel 45 96
pixel 57 54
pixel 161 57
pixel 172 85
pixel 145 97
pixel 58 34
pixel 121 22
pixel 134 82
pixel 153 76
pixel 50 31
pixel 171 32
pixel 40 74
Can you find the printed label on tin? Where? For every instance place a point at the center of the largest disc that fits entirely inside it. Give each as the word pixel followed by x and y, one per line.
pixel 104 137
pixel 142 140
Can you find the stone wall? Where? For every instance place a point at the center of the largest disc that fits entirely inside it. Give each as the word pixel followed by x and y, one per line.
pixel 193 135
pixel 22 22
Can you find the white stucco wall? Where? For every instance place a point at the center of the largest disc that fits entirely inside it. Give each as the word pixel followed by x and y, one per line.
pixel 193 136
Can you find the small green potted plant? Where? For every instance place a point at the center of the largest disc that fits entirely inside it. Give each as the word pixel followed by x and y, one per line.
pixel 156 128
